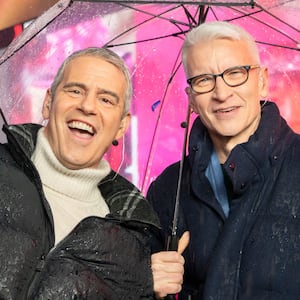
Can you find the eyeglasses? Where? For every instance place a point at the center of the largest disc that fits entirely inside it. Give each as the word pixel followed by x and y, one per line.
pixel 234 76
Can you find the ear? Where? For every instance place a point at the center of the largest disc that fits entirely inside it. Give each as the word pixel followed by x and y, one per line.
pixel 191 99
pixel 264 82
pixel 47 105
pixel 125 122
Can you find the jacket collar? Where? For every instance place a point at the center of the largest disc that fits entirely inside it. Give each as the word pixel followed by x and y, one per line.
pixel 263 149
pixel 125 201
pixel 123 198
pixel 22 137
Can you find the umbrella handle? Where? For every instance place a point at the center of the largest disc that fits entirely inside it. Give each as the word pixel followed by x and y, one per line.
pixel 172 242
pixel 170 297
pixel 173 239
pixel 172 246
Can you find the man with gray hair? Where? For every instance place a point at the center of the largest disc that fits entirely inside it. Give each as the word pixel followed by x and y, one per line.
pixel 72 228
pixel 240 193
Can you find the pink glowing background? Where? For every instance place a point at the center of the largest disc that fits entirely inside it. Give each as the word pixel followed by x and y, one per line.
pixel 159 104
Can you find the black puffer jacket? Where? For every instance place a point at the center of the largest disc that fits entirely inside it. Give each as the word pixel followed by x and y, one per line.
pixel 255 252
pixel 102 258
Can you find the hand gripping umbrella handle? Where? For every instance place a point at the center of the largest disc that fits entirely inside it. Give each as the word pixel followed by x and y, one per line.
pixel 172 246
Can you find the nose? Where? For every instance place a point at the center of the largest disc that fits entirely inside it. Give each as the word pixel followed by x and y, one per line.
pixel 88 103
pixel 221 91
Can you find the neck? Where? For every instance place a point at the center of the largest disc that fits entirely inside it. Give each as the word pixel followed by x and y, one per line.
pixel 224 144
pixel 223 148
pixel 74 183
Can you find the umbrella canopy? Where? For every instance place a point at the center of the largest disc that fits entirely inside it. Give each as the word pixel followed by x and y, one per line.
pixel 148 35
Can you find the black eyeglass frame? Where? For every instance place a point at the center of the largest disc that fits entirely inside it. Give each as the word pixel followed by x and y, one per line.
pixel 214 76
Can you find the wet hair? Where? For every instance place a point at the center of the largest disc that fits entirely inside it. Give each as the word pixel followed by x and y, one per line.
pixel 218 30
pixel 108 56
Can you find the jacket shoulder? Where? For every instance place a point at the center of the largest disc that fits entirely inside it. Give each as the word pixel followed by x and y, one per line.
pixel 125 201
pixel 167 179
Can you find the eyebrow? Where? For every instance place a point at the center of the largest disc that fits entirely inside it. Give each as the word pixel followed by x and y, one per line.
pixel 99 91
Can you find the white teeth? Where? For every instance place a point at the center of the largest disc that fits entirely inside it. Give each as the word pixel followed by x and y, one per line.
pixel 81 126
pixel 225 110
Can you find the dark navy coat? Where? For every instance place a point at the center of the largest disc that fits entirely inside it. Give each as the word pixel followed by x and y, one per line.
pixel 255 252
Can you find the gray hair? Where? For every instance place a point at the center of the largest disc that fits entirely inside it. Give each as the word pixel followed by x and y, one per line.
pixel 218 30
pixel 108 56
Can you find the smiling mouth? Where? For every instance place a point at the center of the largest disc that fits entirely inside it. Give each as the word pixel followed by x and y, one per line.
pixel 81 127
pixel 226 110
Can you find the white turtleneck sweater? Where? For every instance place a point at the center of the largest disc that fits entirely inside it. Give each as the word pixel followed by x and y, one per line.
pixel 72 194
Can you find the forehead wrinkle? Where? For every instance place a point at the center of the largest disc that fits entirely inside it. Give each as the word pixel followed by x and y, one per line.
pixel 75 84
pixel 99 90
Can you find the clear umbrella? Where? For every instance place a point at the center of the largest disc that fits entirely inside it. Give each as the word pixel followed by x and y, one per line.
pixel 148 35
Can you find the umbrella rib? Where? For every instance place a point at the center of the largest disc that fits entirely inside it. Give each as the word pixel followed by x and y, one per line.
pixel 250 15
pixel 3 117
pixel 278 19
pixel 191 2
pixel 154 138
pixel 189 15
pixel 203 13
pixel 277 45
pixel 109 45
pixel 261 9
pixel 153 16
pixel 181 164
pixel 159 16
